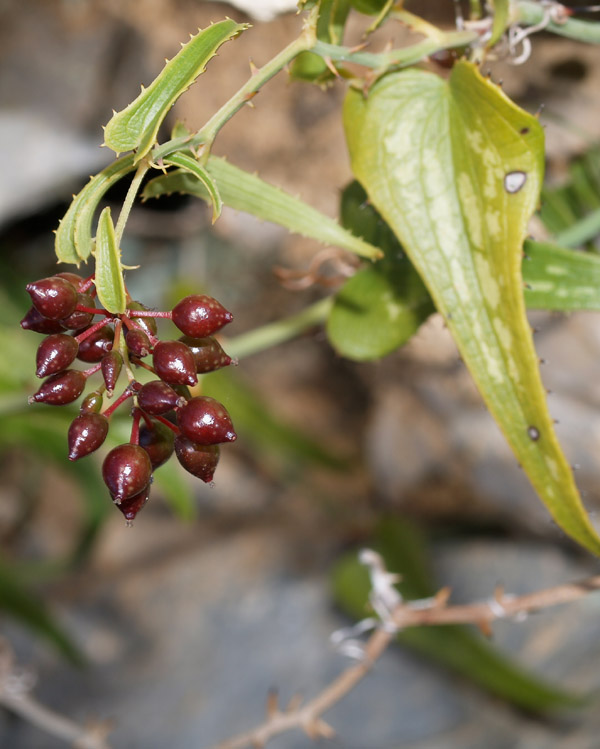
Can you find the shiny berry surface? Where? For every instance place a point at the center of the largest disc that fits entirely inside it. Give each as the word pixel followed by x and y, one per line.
pixel 36 322
pixel 147 323
pixel 138 343
pixel 157 442
pixel 73 278
pixel 205 421
pixel 55 353
pixel 132 505
pixel 92 403
pixel 53 297
pixel 78 320
pixel 157 398
pixel 174 363
pixel 60 389
pixel 111 366
pixel 199 316
pixel 93 348
pixel 199 460
pixel 208 353
pixel 126 471
pixel 86 433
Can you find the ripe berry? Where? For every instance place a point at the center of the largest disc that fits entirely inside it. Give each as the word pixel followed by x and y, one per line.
pixel 174 363
pixel 199 460
pixel 35 321
pixel 147 323
pixel 126 471
pixel 157 442
pixel 60 389
pixel 207 352
pixel 53 297
pixel 93 348
pixel 55 353
pixel 73 278
pixel 78 320
pixel 205 421
pixel 86 433
pixel 199 316
pixel 111 366
pixel 157 397
pixel 138 342
pixel 132 505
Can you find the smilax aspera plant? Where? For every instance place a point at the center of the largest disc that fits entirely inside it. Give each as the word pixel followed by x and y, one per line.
pixel 448 174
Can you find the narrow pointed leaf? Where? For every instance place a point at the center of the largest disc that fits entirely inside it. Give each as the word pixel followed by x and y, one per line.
pixel 136 127
pixel 109 273
pixel 455 169
pixel 458 648
pixel 190 164
pixel 73 242
pixel 249 193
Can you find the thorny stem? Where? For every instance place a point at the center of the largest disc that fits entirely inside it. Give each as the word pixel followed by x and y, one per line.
pixel 129 199
pixel 307 716
pixel 206 135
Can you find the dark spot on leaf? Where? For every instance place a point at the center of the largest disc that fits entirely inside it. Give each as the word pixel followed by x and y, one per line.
pixel 534 433
pixel 524 130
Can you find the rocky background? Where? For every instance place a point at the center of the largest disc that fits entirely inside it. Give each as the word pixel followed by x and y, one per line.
pixel 188 625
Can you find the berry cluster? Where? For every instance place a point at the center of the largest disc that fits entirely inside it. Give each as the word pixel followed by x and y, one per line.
pixel 166 418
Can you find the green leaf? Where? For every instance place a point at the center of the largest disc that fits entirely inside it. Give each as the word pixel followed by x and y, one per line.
pixel 136 127
pixel 73 242
pixel 330 28
pixel 383 305
pixel 368 7
pixel 109 273
pixel 249 193
pixel 501 18
pixel 560 279
pixel 191 165
pixel 455 169
pixel 458 648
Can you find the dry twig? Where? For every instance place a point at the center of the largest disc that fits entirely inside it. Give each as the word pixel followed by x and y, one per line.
pixel 15 687
pixel 406 614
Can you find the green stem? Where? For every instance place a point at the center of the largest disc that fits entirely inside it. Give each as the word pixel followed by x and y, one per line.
pixel 531 13
pixel 278 332
pixel 129 200
pixel 397 57
pixel 208 133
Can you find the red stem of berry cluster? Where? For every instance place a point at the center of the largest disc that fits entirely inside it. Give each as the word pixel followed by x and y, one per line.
pixel 139 363
pixel 132 325
pixel 92 329
pixel 92 370
pixel 127 393
pixel 93 310
pixel 135 427
pixel 167 423
pixel 151 313
pixel 87 283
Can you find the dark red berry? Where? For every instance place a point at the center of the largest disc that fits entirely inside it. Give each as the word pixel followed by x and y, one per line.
pixel 138 342
pixel 157 397
pixel 93 348
pixel 60 389
pixel 183 391
pixel 147 323
pixel 205 421
pixel 199 316
pixel 199 460
pixel 207 352
pixel 78 320
pixel 53 297
pixel 157 442
pixel 174 363
pixel 35 321
pixel 73 278
pixel 91 404
pixel 86 433
pixel 126 471
pixel 111 366
pixel 132 505
pixel 55 353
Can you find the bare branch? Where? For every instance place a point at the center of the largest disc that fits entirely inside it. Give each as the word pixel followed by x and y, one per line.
pixel 308 716
pixel 15 696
